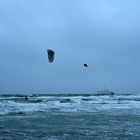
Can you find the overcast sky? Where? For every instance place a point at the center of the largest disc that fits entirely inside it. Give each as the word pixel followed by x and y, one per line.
pixel 105 34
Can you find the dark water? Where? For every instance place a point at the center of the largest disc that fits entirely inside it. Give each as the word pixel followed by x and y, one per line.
pixel 71 117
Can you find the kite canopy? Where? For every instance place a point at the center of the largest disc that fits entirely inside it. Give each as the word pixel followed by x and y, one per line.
pixel 50 55
pixel 85 65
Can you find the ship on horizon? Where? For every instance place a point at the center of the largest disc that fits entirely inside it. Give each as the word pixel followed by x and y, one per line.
pixel 105 92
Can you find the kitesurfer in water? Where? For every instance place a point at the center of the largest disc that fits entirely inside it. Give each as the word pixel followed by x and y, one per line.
pixel 26 98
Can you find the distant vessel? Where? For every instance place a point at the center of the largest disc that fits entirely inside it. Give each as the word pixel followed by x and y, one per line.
pixel 105 92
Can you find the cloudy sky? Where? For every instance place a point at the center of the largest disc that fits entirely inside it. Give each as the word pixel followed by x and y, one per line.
pixel 105 34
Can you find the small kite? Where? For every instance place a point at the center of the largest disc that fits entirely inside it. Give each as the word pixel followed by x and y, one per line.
pixel 85 65
pixel 50 55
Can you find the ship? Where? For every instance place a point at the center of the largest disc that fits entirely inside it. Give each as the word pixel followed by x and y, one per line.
pixel 105 92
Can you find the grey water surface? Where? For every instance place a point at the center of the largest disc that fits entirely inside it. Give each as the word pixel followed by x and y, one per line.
pixel 70 117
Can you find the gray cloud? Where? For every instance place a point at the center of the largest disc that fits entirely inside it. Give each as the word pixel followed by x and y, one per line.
pixel 103 33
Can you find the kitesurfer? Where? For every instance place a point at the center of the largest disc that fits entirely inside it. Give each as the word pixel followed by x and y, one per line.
pixel 26 98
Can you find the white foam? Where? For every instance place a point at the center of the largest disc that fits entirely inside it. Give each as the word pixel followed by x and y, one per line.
pixel 76 103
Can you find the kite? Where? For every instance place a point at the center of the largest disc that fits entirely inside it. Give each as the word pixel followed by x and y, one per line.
pixel 85 65
pixel 50 55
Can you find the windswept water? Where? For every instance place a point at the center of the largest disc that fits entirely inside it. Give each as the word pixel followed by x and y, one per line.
pixel 70 117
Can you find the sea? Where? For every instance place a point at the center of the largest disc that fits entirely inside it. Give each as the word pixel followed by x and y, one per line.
pixel 70 117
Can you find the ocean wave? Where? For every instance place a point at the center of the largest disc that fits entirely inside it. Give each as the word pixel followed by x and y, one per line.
pixel 12 104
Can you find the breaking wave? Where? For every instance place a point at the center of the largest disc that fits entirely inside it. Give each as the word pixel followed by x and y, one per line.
pixel 11 104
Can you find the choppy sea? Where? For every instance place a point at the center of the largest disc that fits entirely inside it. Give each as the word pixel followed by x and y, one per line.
pixel 70 117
